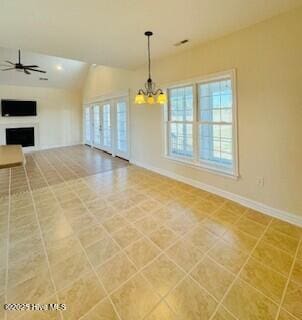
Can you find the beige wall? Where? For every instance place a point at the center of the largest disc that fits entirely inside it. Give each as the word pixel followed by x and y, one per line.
pixel 103 80
pixel 59 113
pixel 267 58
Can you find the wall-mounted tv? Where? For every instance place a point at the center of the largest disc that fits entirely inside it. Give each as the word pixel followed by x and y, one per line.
pixel 18 108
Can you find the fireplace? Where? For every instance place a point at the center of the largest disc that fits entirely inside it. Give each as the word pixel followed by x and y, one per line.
pixel 24 136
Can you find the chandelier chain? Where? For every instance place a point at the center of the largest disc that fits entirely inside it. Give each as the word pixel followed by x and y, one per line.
pixel 149 57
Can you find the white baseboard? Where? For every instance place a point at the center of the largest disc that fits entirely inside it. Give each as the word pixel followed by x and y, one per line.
pixel 37 148
pixel 252 204
pixel 60 146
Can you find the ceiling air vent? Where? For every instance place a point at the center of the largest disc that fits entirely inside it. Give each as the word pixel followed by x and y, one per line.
pixel 180 43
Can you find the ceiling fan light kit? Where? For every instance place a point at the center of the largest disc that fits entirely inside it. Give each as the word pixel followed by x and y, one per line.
pixel 150 94
pixel 21 67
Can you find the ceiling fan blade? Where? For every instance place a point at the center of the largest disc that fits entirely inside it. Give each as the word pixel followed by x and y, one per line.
pixel 7 69
pixel 31 66
pixel 10 62
pixel 26 71
pixel 42 71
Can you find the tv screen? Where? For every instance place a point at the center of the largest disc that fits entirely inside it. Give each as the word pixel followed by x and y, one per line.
pixel 18 108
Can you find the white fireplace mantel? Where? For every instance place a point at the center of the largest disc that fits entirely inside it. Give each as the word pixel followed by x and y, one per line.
pixel 27 124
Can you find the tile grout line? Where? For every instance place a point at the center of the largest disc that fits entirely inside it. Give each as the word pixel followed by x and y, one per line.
pixel 241 279
pixel 172 244
pixel 239 272
pixel 181 236
pixel 249 284
pixel 258 261
pixel 139 270
pixel 289 279
pixel 42 239
pixel 85 253
pixel 122 250
pixel 248 258
pixel 220 236
pixel 269 267
pixel 57 154
pixel 147 237
pixel 187 273
pixel 109 235
pixel 275 247
pixel 72 160
pixel 178 237
pixel 7 240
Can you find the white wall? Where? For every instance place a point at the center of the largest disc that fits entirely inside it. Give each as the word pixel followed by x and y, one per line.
pixel 59 113
pixel 267 58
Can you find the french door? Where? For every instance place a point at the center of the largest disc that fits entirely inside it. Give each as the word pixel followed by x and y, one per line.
pixel 121 129
pixel 106 126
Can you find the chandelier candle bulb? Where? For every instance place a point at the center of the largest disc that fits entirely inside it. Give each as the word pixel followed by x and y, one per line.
pixel 140 99
pixel 150 100
pixel 162 98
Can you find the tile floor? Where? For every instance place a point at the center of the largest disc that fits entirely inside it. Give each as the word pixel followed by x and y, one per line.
pixel 113 241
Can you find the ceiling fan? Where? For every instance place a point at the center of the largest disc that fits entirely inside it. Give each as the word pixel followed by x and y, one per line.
pixel 21 67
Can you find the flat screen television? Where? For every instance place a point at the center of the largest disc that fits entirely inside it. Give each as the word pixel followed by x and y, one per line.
pixel 18 108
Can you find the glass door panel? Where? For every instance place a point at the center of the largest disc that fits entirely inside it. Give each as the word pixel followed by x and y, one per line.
pixel 121 128
pixel 87 125
pixel 96 126
pixel 106 127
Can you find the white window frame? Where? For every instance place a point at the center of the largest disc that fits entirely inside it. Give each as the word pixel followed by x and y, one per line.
pixel 195 162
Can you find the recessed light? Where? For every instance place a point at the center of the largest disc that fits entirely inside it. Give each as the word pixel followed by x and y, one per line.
pixel 59 67
pixel 93 65
pixel 180 43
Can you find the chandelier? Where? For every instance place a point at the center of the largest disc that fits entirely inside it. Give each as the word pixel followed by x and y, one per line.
pixel 150 92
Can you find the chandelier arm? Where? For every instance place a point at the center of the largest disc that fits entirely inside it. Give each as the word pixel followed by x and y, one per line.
pixel 153 86
pixel 158 91
pixel 141 91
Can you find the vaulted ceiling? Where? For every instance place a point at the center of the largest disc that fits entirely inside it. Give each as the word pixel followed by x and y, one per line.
pixel 61 73
pixel 110 32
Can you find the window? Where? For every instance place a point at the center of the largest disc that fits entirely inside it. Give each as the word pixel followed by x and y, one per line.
pixel 181 121
pixel 201 123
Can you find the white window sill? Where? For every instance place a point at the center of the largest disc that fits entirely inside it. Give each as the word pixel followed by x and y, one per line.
pixel 203 167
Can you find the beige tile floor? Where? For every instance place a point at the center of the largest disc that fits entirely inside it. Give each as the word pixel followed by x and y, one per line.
pixel 113 241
